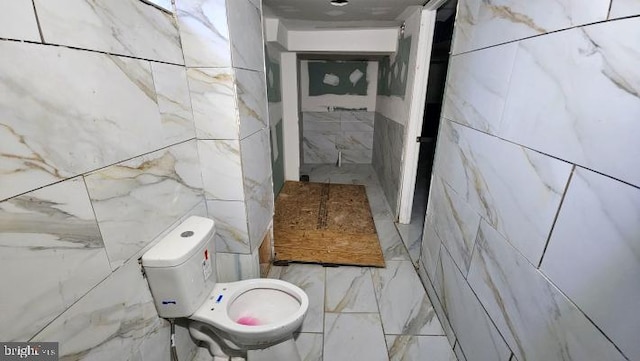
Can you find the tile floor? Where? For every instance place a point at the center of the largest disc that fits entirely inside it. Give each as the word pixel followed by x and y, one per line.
pixel 359 313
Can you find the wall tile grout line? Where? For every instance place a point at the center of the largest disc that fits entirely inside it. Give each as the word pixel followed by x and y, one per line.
pixel 543 153
pixel 35 13
pixel 98 169
pixel 606 20
pixel 91 51
pixel 555 218
pixel 95 217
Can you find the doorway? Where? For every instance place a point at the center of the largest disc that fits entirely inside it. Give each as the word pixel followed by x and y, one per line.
pixel 411 233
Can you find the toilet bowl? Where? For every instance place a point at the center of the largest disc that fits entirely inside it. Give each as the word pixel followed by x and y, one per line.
pixel 232 318
pixel 254 313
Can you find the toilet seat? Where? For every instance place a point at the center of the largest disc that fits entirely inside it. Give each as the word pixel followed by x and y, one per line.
pixel 279 298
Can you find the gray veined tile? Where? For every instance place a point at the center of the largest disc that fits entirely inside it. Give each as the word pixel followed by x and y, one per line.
pixel 430 251
pixel 251 91
pixel 319 148
pixel 309 346
pixel 204 33
pixel 459 353
pixel 477 86
pixel 174 100
pixel 481 24
pixel 232 267
pixel 321 116
pixel 18 21
pixel 105 325
pixel 404 308
pixel 245 31
pixel 580 105
pixel 418 348
pixel 232 232
pixel 354 336
pixel 349 289
pixel 518 193
pixel 214 103
pixel 125 27
pixel 47 135
pixel 537 321
pixel 621 8
pixel 392 247
pixel 455 223
pixel 435 301
pixel 51 253
pixel 311 278
pixel 593 251
pixel 136 200
pixel 221 166
pixel 475 331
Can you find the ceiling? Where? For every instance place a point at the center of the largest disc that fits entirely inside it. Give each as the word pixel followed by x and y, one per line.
pixel 358 13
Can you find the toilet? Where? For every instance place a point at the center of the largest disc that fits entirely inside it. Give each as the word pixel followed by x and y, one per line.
pixel 255 318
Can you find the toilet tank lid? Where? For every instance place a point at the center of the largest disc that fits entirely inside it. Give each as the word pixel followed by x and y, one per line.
pixel 179 244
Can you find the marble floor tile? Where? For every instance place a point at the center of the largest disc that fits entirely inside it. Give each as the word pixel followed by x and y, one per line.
pixel 349 289
pixel 309 346
pixel 404 308
pixel 392 247
pixel 419 348
pixel 18 21
pixel 311 278
pixel 354 336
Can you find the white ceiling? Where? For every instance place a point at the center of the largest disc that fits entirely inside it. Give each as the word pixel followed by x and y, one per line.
pixel 356 13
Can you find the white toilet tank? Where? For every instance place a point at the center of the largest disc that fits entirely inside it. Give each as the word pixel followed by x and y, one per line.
pixel 181 268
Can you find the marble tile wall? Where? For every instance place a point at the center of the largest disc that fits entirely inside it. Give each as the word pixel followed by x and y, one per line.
pixel 535 194
pixel 224 55
pixel 326 134
pixel 388 143
pixel 98 159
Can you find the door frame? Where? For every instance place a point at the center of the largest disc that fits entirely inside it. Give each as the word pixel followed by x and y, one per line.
pixel 411 151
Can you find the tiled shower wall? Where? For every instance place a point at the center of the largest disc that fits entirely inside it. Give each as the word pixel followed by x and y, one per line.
pixel 533 228
pixel 328 134
pixel 99 156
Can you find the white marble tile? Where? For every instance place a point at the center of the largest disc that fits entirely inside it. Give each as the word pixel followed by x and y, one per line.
pixel 596 238
pixel 50 134
pixel 455 223
pixel 475 332
pixel 233 267
pixel 311 279
pixel 136 200
pixel 323 127
pixel 418 348
pixel 108 323
pixel 535 318
pixel 349 289
pixel 581 104
pixel 354 336
pixel 392 247
pixel 404 308
pixel 388 143
pixel 355 140
pixel 204 33
pixel 621 8
pixel 309 346
pixel 411 235
pixel 459 353
pixel 356 156
pixel 214 103
pixel 245 31
pixel 435 301
pixel 51 253
pixel 321 116
pixel 518 192
pixel 481 24
pixel 221 169
pixel 174 101
pixel 125 27
pixel 477 85
pixel 18 21
pixel 360 118
pixel 252 101
pixel 430 250
pixel 232 233
pixel 258 188
pixel 319 148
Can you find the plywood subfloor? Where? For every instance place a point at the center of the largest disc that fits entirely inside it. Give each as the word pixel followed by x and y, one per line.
pixel 325 223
